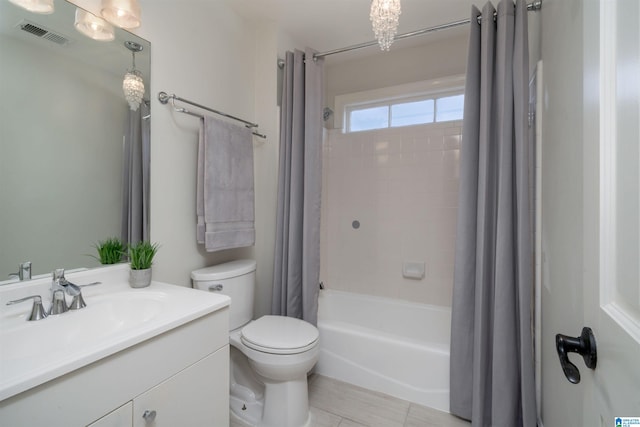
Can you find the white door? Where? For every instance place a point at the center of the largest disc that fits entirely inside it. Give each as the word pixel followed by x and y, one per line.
pixel 612 290
pixel 591 207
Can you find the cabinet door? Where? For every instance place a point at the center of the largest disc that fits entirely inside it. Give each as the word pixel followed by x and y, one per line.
pixel 195 397
pixel 121 417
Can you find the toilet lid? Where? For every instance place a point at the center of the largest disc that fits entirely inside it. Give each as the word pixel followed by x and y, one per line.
pixel 280 335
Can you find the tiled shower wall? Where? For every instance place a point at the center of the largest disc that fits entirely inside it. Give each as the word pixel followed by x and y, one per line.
pixel 390 196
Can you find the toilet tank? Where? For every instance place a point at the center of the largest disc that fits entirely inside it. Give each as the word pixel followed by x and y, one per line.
pixel 236 279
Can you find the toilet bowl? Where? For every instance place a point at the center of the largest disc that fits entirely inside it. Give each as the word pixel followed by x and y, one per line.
pixel 281 367
pixel 270 356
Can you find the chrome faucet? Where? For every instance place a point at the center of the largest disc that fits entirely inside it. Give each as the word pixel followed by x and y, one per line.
pixel 59 287
pixel 37 311
pixel 61 284
pixel 24 271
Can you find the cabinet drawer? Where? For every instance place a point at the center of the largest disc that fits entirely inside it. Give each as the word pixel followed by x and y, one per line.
pixel 195 397
pixel 121 417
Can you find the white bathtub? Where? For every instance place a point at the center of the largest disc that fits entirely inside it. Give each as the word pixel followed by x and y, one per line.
pixel 392 346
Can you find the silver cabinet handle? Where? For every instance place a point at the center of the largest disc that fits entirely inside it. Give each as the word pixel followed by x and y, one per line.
pixel 149 415
pixel 216 288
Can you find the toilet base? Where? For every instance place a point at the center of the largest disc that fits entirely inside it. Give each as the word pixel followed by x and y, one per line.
pixel 296 395
pixel 245 411
pixel 269 389
pixel 259 413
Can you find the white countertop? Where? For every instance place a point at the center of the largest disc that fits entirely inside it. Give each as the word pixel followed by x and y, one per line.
pixel 116 317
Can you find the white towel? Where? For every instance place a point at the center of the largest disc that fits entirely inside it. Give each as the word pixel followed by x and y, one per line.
pixel 225 187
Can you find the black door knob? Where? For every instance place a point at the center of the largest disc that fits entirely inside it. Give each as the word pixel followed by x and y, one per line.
pixel 584 345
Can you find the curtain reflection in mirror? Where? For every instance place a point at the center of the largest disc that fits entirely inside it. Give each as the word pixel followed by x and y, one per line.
pixel 135 179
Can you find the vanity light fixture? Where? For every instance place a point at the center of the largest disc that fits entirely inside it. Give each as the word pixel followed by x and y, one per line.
pixel 92 26
pixel 44 7
pixel 384 16
pixel 133 85
pixel 121 13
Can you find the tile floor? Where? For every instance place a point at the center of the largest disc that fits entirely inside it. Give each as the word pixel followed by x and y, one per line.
pixel 338 404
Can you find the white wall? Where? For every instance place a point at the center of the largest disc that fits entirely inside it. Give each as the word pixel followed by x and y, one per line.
pixel 266 164
pixel 440 58
pixel 205 52
pixel 562 203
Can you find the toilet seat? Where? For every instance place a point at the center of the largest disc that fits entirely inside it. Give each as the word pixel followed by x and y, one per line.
pixel 279 335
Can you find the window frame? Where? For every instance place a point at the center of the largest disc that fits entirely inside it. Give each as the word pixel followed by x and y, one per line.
pixel 393 95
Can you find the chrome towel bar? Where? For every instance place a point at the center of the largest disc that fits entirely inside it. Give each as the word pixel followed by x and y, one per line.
pixel 164 98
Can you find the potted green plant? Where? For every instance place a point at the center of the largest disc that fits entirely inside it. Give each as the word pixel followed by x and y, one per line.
pixel 110 251
pixel 141 258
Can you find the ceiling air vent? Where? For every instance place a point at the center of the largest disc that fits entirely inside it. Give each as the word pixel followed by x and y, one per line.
pixel 43 33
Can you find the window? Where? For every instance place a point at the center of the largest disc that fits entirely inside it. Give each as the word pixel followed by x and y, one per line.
pixel 412 113
pixel 426 109
pixel 369 118
pixel 449 108
pixel 428 101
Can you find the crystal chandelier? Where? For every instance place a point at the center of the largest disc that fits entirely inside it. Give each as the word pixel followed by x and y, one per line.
pixel 384 17
pixel 133 85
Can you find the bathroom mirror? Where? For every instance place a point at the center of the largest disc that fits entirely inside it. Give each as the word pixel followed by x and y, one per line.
pixel 62 123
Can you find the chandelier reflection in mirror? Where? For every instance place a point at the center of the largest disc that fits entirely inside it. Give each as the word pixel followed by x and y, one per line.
pixel 133 85
pixel 384 17
pixel 121 13
pixel 35 6
pixel 92 26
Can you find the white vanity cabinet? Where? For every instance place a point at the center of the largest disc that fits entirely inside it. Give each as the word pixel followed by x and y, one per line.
pixel 181 374
pixel 190 398
pixel 121 417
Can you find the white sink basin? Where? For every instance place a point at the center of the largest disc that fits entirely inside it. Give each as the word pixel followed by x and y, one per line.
pixel 116 317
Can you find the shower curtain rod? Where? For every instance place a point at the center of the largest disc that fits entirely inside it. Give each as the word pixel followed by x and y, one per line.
pixel 531 7
pixel 163 97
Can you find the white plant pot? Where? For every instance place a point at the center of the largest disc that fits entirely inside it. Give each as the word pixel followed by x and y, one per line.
pixel 140 278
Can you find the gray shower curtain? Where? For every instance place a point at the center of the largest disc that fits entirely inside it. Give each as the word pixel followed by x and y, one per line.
pixel 135 176
pixel 492 369
pixel 297 251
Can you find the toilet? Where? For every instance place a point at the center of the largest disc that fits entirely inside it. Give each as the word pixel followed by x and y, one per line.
pixel 270 356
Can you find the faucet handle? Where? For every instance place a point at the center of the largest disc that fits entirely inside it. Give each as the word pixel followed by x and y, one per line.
pixel 59 303
pixel 58 274
pixel 90 284
pixel 78 302
pixel 37 311
pixel 25 270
